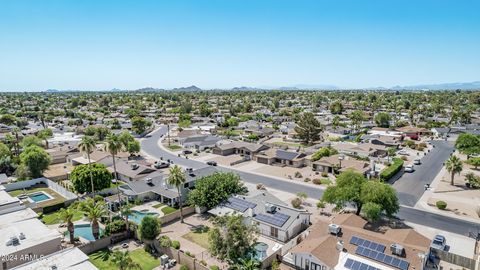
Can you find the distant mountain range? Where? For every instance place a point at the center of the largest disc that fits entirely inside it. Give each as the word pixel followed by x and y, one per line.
pixel 443 86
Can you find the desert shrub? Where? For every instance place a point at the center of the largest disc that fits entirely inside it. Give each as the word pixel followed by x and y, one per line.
pixel 321 204
pixel 183 267
pixel 324 174
pixel 307 180
pixel 165 241
pixel 175 244
pixel 214 267
pixel 441 205
pixel 298 174
pixel 297 203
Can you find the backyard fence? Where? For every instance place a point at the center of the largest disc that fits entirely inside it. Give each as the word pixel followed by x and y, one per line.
pixel 180 257
pixel 49 183
pixel 176 215
pixel 455 259
pixel 102 243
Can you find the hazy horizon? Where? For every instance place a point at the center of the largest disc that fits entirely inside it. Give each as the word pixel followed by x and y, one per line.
pixel 100 45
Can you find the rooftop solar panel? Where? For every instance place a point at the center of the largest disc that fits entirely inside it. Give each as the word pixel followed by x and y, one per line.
pixel 276 219
pixel 239 204
pixel 356 265
pixel 383 258
pixel 355 240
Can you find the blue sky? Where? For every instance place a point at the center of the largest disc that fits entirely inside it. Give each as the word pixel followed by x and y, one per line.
pixel 97 45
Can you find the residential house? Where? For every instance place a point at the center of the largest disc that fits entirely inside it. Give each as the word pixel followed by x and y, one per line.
pixel 127 170
pixel 61 153
pixel 248 150
pixel 274 156
pixel 260 131
pixel 358 248
pixel 200 142
pixel 363 150
pixel 340 163
pixel 414 133
pixel 273 217
pixel 70 258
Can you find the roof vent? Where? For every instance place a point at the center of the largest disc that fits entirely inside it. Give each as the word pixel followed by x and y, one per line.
pixel 339 245
pixel 22 236
pixel 54 267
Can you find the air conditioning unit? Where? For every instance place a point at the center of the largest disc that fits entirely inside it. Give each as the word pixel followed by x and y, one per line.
pixel 148 180
pixel 21 236
pixel 334 229
pixel 339 245
pixel 15 241
pixel 134 166
pixel 397 249
pixel 270 208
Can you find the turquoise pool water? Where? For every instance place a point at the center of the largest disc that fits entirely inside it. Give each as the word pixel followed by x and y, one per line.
pixel 39 197
pixel 84 231
pixel 137 216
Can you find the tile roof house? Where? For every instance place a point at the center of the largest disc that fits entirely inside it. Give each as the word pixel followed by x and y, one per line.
pixel 239 147
pixel 341 163
pixel 356 245
pixel 200 142
pixel 280 157
pixel 127 170
pixel 274 218
pixel 362 149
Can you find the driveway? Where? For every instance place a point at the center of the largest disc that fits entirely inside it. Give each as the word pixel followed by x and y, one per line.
pixel 410 186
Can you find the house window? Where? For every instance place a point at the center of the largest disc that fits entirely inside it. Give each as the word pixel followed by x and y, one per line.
pixel 274 232
pixel 315 266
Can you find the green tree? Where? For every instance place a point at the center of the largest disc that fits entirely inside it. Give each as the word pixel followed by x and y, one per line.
pixel 454 166
pixel 383 119
pixel 94 210
pixel 475 162
pixel 356 118
pixel 468 144
pixel 123 260
pixel 87 145
pixel 30 141
pixel 336 107
pixel 8 119
pixel 93 177
pixel 126 211
pixel 231 239
pixel 308 128
pixel 45 134
pixel 66 215
pixel 213 189
pixel 4 150
pixel 149 229
pixel 36 159
pixel 140 124
pixel 133 147
pixel 177 178
pixel 324 152
pixel 248 264
pixel 354 188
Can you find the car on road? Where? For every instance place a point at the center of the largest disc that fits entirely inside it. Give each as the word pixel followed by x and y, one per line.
pixel 212 163
pixel 187 152
pixel 439 242
pixel 409 168
pixel 403 153
pixel 161 165
pixel 417 161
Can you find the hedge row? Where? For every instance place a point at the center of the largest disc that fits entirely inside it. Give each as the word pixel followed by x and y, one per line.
pixel 391 170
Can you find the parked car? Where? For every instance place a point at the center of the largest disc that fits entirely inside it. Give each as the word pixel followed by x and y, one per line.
pixel 212 163
pixel 161 165
pixel 439 242
pixel 409 168
pixel 403 153
pixel 417 161
pixel 187 152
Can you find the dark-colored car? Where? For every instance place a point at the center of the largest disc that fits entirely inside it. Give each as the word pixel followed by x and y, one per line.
pixel 212 163
pixel 187 152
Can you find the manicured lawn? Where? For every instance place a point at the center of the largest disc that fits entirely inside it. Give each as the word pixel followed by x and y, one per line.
pixel 174 147
pixel 102 259
pixel 158 205
pixel 57 198
pixel 199 238
pixel 54 218
pixel 168 210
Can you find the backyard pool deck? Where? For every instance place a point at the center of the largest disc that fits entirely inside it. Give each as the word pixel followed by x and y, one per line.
pixel 56 198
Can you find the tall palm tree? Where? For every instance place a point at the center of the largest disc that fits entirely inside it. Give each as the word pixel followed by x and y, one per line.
pixel 15 132
pixel 454 166
pixel 248 264
pixel 124 261
pixel 126 210
pixel 87 145
pixel 113 145
pixel 66 215
pixel 94 212
pixel 177 178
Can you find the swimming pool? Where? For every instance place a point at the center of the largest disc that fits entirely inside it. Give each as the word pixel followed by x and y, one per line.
pixel 137 216
pixel 84 231
pixel 39 197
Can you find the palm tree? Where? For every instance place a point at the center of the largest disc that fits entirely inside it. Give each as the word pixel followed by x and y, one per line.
pixel 15 132
pixel 177 178
pixel 454 166
pixel 94 211
pixel 124 261
pixel 87 145
pixel 126 211
pixel 113 145
pixel 66 215
pixel 248 264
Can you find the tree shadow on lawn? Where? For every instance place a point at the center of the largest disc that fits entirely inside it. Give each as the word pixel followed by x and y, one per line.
pixel 103 254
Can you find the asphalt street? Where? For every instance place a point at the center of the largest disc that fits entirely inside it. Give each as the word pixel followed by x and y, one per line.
pixel 410 187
